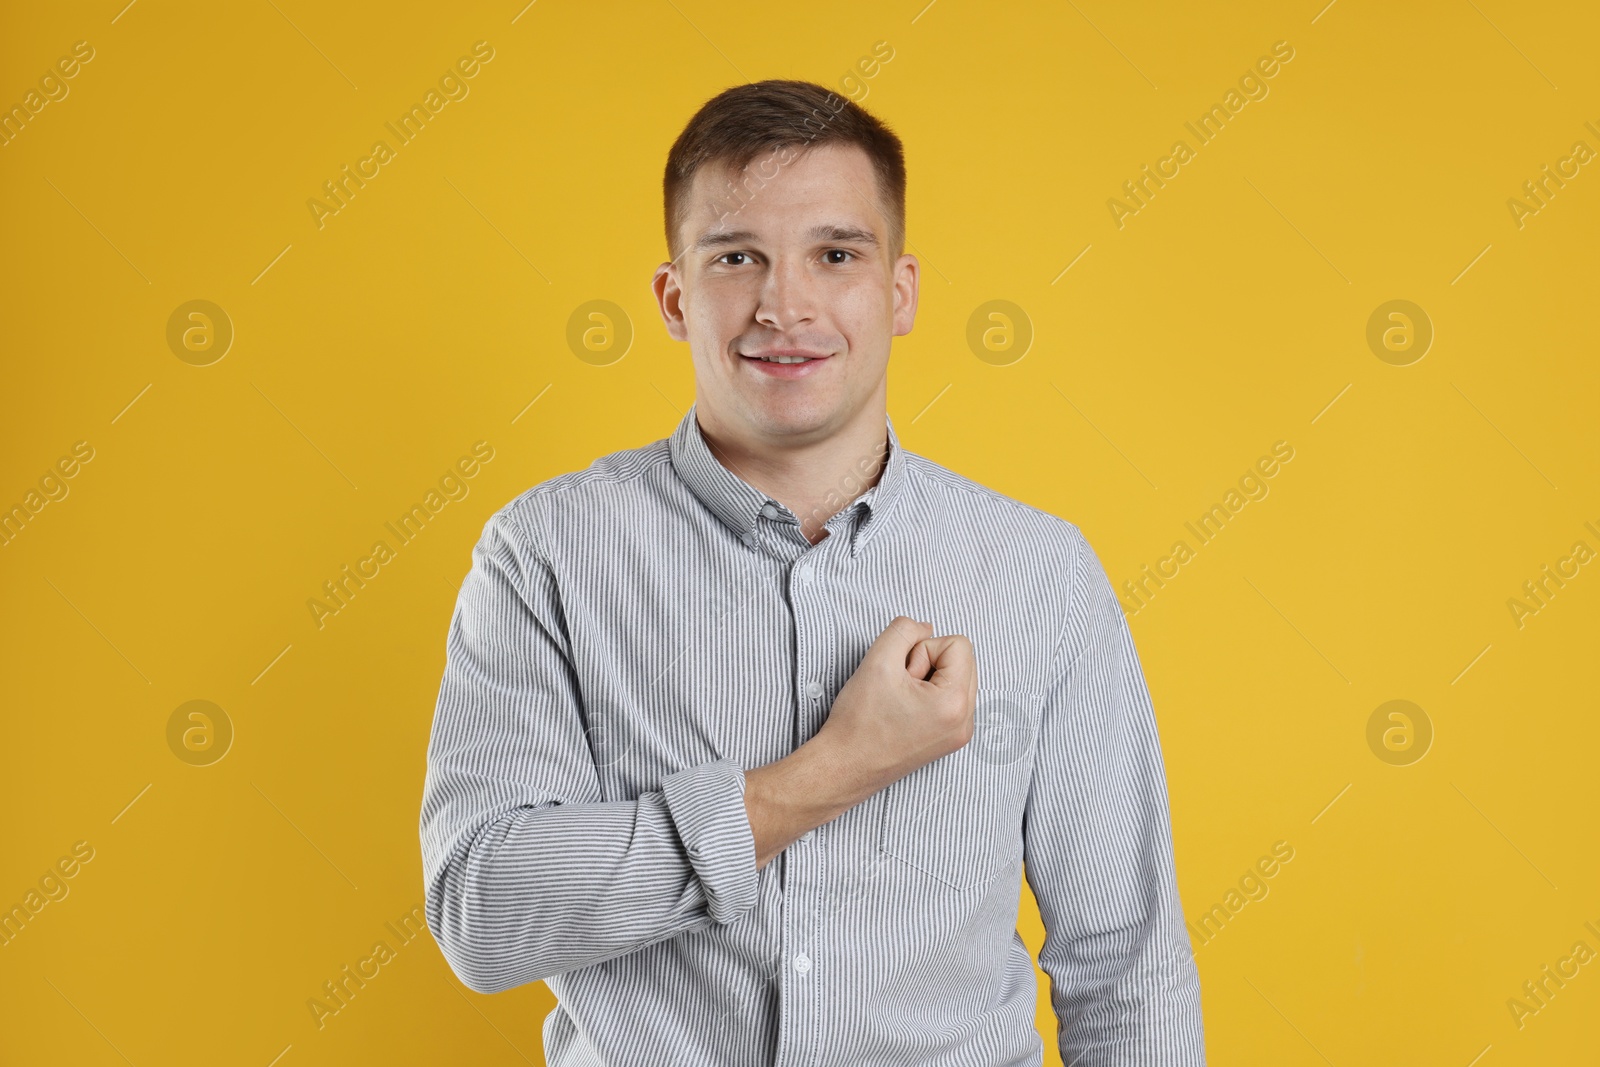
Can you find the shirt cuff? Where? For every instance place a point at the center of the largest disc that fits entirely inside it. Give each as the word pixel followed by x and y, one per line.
pixel 707 807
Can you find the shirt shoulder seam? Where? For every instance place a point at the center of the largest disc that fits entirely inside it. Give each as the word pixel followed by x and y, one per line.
pixel 514 511
pixel 943 476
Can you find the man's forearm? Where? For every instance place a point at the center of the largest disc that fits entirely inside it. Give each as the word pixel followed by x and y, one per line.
pixel 813 785
pixel 540 891
pixel 547 890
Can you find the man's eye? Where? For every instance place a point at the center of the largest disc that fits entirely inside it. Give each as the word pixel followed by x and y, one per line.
pixel 839 252
pixel 723 258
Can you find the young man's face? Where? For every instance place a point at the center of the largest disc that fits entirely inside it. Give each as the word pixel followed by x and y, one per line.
pixel 804 265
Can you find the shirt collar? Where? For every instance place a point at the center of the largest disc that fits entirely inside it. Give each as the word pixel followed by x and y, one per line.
pixel 739 505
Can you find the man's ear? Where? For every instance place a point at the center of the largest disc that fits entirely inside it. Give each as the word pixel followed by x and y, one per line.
pixel 669 297
pixel 907 275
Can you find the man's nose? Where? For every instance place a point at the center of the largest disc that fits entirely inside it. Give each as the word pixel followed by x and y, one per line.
pixel 788 296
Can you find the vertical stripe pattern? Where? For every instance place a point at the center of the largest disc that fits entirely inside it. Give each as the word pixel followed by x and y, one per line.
pixel 633 637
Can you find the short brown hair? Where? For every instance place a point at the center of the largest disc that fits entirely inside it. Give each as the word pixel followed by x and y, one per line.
pixel 740 123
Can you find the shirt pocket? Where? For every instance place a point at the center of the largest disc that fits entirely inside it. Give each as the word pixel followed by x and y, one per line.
pixel 958 819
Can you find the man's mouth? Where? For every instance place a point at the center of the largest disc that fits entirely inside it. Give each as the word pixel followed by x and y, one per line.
pixel 785 356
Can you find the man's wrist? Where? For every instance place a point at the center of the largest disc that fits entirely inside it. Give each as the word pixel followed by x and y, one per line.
pixel 811 786
pixel 835 774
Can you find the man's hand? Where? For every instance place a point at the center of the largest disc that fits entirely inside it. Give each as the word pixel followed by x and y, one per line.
pixel 910 701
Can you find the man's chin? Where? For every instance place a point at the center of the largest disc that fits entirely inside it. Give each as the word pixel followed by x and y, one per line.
pixel 788 416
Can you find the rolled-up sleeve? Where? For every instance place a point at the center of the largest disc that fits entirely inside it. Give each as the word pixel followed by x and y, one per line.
pixel 1098 850
pixel 527 872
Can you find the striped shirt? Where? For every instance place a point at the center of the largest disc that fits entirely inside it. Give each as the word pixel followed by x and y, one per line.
pixel 633 636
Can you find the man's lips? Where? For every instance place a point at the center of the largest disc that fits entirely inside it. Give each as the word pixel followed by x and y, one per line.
pixel 786 352
pixel 804 367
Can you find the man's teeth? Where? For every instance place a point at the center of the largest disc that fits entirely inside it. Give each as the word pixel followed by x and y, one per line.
pixel 783 359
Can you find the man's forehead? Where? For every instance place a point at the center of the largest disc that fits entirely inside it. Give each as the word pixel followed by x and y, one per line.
pixel 784 157
pixel 727 201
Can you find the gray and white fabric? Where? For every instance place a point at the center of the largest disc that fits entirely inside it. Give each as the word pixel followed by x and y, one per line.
pixel 633 637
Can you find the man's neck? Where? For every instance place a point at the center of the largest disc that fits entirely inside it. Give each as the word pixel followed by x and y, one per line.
pixel 815 481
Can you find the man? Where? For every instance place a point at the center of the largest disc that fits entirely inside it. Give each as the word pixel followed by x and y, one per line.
pixel 701 761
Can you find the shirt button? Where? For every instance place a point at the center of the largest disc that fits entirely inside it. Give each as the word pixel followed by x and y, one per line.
pixel 802 963
pixel 769 511
pixel 813 689
pixel 806 572
pixel 805 838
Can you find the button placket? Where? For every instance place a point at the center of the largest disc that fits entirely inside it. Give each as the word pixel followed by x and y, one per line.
pixel 812 618
pixel 805 864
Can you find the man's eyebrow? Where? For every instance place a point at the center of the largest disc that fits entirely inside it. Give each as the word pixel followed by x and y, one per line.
pixel 823 232
pixel 833 232
pixel 718 238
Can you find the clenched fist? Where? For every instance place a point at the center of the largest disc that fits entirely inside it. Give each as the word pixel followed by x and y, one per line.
pixel 909 702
